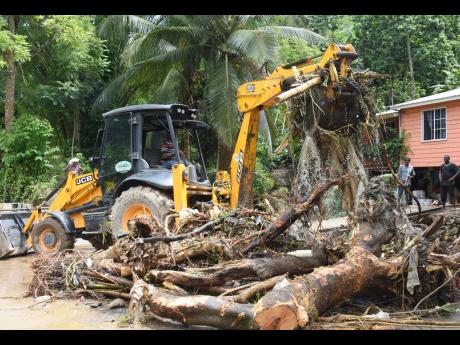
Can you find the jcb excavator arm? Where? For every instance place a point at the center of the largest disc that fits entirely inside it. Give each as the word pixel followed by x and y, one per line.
pixel 253 97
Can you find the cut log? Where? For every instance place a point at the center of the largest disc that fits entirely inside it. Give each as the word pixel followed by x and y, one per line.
pixel 194 310
pixel 262 268
pixel 307 297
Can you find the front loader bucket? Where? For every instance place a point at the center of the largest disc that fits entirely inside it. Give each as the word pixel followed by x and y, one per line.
pixel 12 239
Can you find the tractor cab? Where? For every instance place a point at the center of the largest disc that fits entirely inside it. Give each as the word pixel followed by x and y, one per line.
pixel 140 144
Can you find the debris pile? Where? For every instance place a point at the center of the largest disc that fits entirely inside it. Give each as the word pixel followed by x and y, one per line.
pixel 243 269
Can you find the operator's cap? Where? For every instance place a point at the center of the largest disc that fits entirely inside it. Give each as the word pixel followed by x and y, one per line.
pixel 74 161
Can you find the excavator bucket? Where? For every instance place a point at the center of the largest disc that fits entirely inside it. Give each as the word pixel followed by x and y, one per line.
pixel 12 220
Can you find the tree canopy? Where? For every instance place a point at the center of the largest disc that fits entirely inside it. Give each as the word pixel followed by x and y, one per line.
pixel 59 72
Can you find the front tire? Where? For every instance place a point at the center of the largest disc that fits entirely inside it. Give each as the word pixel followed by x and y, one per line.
pixel 137 201
pixel 49 237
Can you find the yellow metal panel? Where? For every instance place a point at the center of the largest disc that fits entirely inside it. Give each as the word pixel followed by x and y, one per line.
pixel 77 191
pixel 179 187
pixel 244 159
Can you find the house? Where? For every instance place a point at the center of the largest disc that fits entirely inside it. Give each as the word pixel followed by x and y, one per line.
pixel 432 128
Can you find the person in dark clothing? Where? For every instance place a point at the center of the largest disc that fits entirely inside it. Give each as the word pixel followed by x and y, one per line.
pixel 447 175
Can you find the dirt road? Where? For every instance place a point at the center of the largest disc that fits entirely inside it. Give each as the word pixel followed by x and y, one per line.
pixel 19 312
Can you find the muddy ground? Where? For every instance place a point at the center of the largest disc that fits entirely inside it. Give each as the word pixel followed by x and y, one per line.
pixel 19 312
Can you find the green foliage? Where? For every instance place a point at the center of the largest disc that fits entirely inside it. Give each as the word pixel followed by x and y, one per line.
pixel 63 75
pixel 30 163
pixel 294 49
pixel 9 42
pixel 263 182
pixel 395 146
pixel 396 149
pixel 382 44
pixel 75 45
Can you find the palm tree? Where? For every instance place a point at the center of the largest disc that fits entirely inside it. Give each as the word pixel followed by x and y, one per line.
pixel 228 50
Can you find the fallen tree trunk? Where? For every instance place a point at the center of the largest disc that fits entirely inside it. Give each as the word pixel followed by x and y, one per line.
pixel 262 268
pixel 193 310
pixel 307 297
pixel 293 213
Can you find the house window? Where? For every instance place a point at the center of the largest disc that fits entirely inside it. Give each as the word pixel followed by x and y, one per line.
pixel 434 124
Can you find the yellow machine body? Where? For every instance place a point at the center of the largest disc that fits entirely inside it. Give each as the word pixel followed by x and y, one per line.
pixel 77 191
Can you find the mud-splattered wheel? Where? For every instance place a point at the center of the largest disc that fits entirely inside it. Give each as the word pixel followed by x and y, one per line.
pixel 49 237
pixel 139 201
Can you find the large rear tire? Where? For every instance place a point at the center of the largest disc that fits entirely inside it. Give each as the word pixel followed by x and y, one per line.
pixel 49 237
pixel 137 201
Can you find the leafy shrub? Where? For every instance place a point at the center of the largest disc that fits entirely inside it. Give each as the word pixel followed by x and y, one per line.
pixel 30 164
pixel 263 181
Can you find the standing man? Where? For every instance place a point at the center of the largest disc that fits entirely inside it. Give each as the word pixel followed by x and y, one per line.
pixel 405 173
pixel 447 175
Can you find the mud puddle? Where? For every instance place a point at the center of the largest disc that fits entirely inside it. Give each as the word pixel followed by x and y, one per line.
pixel 19 312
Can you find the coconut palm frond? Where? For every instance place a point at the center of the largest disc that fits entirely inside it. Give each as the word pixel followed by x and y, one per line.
pixel 159 40
pixel 219 100
pixel 168 92
pixel 113 92
pixel 267 129
pixel 119 26
pixel 169 58
pixel 254 44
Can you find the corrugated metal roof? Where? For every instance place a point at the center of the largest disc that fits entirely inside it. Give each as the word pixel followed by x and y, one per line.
pixel 388 113
pixel 439 97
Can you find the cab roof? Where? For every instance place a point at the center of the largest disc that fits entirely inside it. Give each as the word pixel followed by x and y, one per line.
pixel 174 109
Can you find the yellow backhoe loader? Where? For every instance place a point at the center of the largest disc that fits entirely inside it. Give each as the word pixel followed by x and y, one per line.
pixel 129 179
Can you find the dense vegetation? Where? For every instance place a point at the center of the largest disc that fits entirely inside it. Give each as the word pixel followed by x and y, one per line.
pixel 58 73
